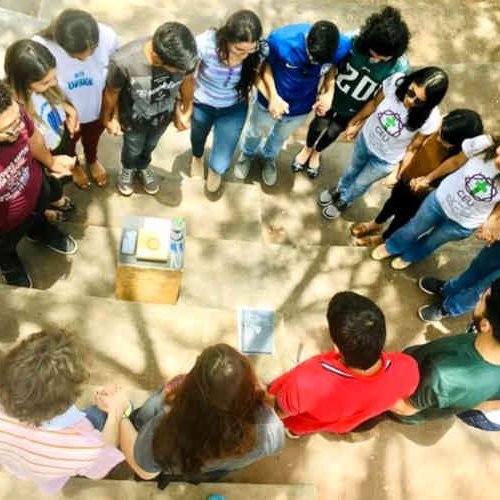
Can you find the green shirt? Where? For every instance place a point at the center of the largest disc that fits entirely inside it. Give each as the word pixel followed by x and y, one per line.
pixel 358 80
pixel 453 378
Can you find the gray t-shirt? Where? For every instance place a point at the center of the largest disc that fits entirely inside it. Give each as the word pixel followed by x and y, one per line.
pixel 270 438
pixel 148 92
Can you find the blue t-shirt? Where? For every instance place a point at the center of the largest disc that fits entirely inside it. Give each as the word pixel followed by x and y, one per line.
pixel 295 77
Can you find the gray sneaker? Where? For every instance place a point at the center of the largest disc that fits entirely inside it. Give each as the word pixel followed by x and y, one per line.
pixel 242 166
pixel 125 182
pixel 149 182
pixel 269 172
pixel 328 196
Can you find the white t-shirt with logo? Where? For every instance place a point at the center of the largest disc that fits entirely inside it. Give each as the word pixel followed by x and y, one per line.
pixel 385 132
pixel 83 81
pixel 469 195
pixel 49 120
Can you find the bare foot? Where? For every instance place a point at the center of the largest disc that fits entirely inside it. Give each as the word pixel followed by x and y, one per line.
pixel 303 155
pixel 314 160
pixel 98 173
pixel 197 167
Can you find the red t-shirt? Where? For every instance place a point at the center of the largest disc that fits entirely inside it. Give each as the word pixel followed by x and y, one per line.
pixel 322 394
pixel 20 178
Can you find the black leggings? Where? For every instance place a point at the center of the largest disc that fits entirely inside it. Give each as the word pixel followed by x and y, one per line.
pixel 325 128
pixel 403 204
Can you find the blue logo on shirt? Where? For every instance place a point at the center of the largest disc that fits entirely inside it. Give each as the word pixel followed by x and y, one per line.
pixel 80 81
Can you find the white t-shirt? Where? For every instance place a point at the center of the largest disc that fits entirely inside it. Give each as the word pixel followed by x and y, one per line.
pixel 469 195
pixel 385 132
pixel 51 120
pixel 83 81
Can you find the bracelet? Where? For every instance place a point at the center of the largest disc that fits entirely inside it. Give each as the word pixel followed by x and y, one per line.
pixel 127 412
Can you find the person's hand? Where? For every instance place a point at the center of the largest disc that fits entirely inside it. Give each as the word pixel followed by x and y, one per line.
pixel 323 104
pixel 181 119
pixel 72 121
pixel 278 107
pixel 489 232
pixel 420 184
pixel 111 399
pixel 62 166
pixel 352 130
pixel 172 386
pixel 113 127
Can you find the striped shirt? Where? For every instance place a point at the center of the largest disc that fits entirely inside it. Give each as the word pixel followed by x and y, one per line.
pixel 215 82
pixel 49 455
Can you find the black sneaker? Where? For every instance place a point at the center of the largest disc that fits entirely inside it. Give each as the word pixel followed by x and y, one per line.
pixel 434 312
pixel 56 240
pixel 431 286
pixel 16 275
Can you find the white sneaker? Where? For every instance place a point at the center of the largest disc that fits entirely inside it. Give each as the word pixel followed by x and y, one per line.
pixel 242 166
pixel 214 181
pixel 125 181
pixel 149 182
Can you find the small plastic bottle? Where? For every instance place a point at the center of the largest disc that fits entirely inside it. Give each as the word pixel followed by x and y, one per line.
pixel 177 235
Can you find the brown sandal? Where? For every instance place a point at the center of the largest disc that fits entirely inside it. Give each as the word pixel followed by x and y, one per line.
pixel 98 173
pixel 80 177
pixel 369 241
pixel 54 215
pixel 363 228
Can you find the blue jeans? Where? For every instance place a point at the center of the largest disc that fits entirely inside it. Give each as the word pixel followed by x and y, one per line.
pixel 227 123
pixel 96 416
pixel 276 132
pixel 478 419
pixel 138 146
pixel 462 293
pixel 364 169
pixel 424 233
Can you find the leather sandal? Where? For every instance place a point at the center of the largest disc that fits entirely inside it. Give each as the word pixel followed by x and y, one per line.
pixel 369 241
pixel 362 228
pixel 67 206
pixel 54 215
pixel 80 177
pixel 98 173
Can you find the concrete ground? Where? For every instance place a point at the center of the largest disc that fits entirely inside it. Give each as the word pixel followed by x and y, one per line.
pixel 256 246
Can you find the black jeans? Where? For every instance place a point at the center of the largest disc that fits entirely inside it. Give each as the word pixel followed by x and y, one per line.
pixel 325 128
pixel 403 204
pixel 35 224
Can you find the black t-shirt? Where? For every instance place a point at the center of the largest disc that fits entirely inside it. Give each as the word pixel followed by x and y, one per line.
pixel 148 93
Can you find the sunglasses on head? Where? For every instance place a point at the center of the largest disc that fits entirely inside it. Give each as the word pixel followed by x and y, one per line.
pixel 413 96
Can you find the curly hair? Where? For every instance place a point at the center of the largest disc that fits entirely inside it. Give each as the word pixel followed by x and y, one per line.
pixel 41 377
pixel 5 97
pixel 385 33
pixel 212 415
pixel 242 26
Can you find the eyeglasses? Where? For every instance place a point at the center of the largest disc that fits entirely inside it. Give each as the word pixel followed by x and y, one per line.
pixel 413 96
pixel 13 129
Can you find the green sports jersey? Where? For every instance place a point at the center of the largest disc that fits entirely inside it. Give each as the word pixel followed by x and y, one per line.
pixel 358 80
pixel 453 378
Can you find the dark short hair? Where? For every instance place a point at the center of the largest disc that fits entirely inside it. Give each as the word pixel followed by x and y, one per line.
pixel 385 32
pixel 5 97
pixel 357 327
pixel 492 313
pixel 458 125
pixel 74 30
pixel 322 41
pixel 175 45
pixel 42 376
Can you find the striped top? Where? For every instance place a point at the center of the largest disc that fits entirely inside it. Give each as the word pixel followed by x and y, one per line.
pixel 215 82
pixel 49 455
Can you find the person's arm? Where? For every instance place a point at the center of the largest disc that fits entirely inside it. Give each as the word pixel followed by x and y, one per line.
pixel 184 105
pixel 447 167
pixel 494 404
pixel 411 150
pixel 357 121
pixel 489 231
pixel 325 97
pixel 404 408
pixel 60 165
pixel 277 106
pixel 72 121
pixel 110 108
pixel 128 437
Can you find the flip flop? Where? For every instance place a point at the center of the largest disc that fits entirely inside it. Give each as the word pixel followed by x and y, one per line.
pixel 98 173
pixel 80 177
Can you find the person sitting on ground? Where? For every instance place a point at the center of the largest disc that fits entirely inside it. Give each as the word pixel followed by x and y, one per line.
pixel 299 56
pixel 44 437
pixel 213 421
pixel 407 196
pixel 390 129
pixel 145 78
pixel 377 52
pixel 339 390
pixel 24 191
pixel 459 373
pixel 30 70
pixel 461 204
pixel 82 48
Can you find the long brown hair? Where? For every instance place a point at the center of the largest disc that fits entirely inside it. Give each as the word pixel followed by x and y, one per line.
pixel 212 415
pixel 491 152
